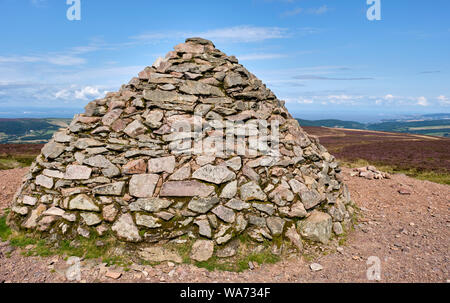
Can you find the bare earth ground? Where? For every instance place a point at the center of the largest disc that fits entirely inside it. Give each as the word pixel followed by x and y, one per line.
pixel 410 234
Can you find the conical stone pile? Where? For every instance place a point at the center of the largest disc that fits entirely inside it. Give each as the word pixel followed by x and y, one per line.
pixel 145 164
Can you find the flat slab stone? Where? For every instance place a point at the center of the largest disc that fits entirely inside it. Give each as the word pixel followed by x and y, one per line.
pixel 214 174
pixel 91 219
pixel 135 167
pixel 160 165
pixel 186 189
pixel 83 202
pixel 159 254
pixel 135 129
pixel 317 227
pixel 77 172
pixel 112 189
pixel 202 250
pixel 224 213
pixel 182 173
pixel 252 191
pixel 44 181
pixel 230 190
pixel 147 221
pixel 310 198
pixel 143 186
pixel 52 150
pixel 203 205
pixel 150 204
pixel 126 229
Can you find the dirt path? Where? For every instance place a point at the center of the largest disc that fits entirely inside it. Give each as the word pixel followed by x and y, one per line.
pixel 410 235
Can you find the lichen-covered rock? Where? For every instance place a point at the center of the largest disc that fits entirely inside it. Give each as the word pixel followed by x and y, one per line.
pixel 252 191
pixel 317 227
pixel 202 250
pixel 214 174
pixel 126 229
pixel 143 186
pixel 83 202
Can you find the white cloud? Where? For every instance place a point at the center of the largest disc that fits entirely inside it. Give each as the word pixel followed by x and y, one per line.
pixel 62 60
pixel 319 11
pixel 422 101
pixel 235 34
pixel 83 94
pixel 88 93
pixel 444 100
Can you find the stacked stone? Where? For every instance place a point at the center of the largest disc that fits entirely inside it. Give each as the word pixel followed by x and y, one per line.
pixel 370 173
pixel 119 167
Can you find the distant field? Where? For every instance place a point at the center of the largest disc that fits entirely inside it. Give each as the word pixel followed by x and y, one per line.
pixel 18 155
pixel 439 127
pixel 29 130
pixel 420 156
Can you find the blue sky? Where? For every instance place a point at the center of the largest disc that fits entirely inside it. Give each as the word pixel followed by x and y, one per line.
pixel 322 56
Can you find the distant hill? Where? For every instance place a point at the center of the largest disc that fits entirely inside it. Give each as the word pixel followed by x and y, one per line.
pixel 333 123
pixel 436 127
pixel 30 130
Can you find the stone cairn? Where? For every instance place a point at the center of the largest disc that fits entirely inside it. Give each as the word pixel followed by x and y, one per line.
pixel 119 170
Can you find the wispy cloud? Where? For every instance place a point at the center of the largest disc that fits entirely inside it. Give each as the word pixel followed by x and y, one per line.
pixel 443 100
pixel 311 11
pixel 430 72
pixel 38 3
pixel 315 77
pixel 235 34
pixel 260 56
pixel 63 60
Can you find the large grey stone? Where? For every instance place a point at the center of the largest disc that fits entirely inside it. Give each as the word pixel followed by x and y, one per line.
pixel 310 198
pixel 317 227
pixel 229 191
pixel 44 181
pixel 203 205
pixel 135 128
pixel 112 189
pixel 111 117
pixel 224 213
pixel 159 254
pixel 150 204
pixel 252 191
pixel 160 96
pixel 83 202
pixel 294 237
pixel 265 208
pixel 159 165
pixel 237 204
pixel 52 150
pixel 147 221
pixel 202 250
pixel 204 229
pixel 232 80
pixel 77 172
pixel 214 174
pixel 91 219
pixel 185 189
pixel 126 229
pixel 143 186
pixel 182 173
pixel 84 143
pixel 275 225
pixel 97 161
pixel 199 88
